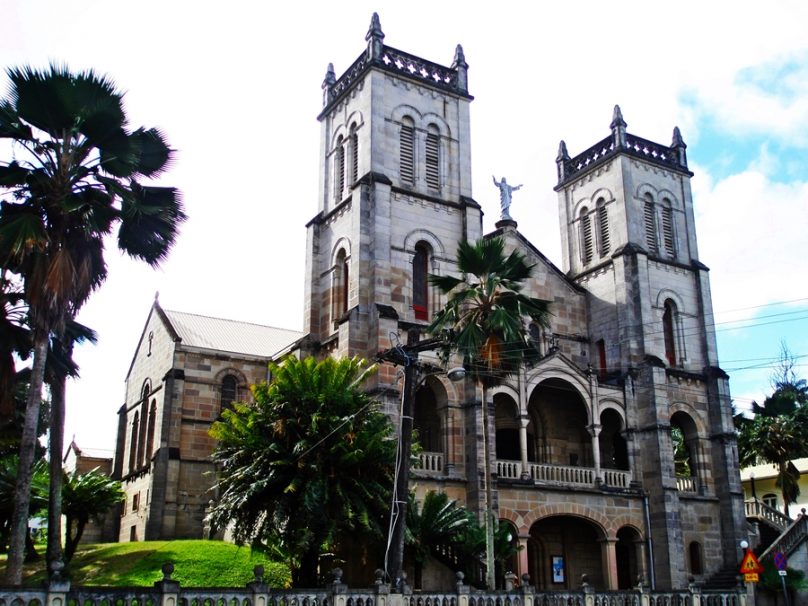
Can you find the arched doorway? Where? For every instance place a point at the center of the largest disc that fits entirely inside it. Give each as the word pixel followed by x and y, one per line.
pixel 562 418
pixel 428 411
pixel 628 552
pixel 561 549
pixel 613 449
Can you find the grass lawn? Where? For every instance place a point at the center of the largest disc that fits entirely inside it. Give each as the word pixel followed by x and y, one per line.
pixel 196 564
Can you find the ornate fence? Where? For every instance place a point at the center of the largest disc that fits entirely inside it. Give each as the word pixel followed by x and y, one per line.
pixel 169 593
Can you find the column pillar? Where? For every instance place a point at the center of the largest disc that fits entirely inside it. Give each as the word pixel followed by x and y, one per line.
pixel 594 431
pixel 523 564
pixel 524 420
pixel 609 559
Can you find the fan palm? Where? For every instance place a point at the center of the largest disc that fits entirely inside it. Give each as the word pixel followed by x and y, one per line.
pixel 436 523
pixel 308 465
pixel 76 173
pixel 87 496
pixel 484 320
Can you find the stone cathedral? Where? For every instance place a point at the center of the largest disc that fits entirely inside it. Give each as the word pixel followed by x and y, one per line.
pixel 613 456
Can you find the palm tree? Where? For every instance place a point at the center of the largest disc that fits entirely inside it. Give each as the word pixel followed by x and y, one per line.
pixel 59 367
pixel 86 496
pixel 484 320
pixel 75 174
pixel 308 465
pixel 777 434
pixel 436 523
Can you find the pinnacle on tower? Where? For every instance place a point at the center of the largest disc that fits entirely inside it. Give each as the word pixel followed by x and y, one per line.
pixel 678 145
pixel 618 127
pixel 462 67
pixel 375 37
pixel 562 157
pixel 329 81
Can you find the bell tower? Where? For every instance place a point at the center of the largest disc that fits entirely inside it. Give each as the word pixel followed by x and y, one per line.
pixel 629 239
pixel 394 195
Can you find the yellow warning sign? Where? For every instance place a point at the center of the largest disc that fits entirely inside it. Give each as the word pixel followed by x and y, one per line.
pixel 750 564
pixel 751 577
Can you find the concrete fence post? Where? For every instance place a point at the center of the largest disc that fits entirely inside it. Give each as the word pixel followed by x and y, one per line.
pixel 170 589
pixel 259 588
pixel 462 589
pixel 339 590
pixel 527 590
pixel 57 587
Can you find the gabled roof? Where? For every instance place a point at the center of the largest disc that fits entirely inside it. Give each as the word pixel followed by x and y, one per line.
pixel 229 335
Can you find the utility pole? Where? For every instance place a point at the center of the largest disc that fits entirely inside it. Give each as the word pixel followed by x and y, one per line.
pixel 406 356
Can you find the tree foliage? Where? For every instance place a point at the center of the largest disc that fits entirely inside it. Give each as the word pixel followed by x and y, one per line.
pixel 436 522
pixel 76 172
pixel 484 321
pixel 306 464
pixel 484 317
pixel 86 496
pixel 777 433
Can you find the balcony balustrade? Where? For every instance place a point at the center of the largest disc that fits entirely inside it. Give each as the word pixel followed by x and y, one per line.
pixel 566 475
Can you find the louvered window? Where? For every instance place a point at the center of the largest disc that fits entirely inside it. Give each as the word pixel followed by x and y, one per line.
pixel 667 231
pixel 340 170
pixel 433 161
pixel 603 229
pixel 354 158
pixel 587 248
pixel 650 228
pixel 406 151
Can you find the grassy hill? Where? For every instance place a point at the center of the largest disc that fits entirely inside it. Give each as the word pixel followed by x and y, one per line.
pixel 196 564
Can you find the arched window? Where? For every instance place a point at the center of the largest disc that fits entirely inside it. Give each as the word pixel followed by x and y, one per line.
pixel 406 143
pixel 587 247
pixel 144 423
pixel 696 564
pixel 685 442
pixel 150 431
pixel 668 330
pixel 650 225
pixel 668 240
pixel 604 243
pixel 339 170
pixel 354 145
pixel 339 303
pixel 133 442
pixel 433 157
pixel 420 281
pixel 602 369
pixel 229 391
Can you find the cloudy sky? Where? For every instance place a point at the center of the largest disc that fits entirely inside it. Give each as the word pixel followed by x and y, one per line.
pixel 235 86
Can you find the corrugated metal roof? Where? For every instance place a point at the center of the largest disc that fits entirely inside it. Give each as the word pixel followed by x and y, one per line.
pixel 230 335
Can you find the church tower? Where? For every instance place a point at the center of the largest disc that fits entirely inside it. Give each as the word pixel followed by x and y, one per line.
pixel 628 238
pixel 395 196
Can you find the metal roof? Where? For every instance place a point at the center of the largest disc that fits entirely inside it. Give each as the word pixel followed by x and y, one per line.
pixel 230 335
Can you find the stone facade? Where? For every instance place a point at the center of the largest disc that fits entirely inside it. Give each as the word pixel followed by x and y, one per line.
pixel 583 441
pixel 185 369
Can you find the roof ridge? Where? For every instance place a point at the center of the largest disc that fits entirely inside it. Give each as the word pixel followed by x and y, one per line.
pixel 196 315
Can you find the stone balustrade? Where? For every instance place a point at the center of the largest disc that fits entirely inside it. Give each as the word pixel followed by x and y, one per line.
pixel 431 462
pixel 568 475
pixel 256 593
pixel 687 484
pixel 758 509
